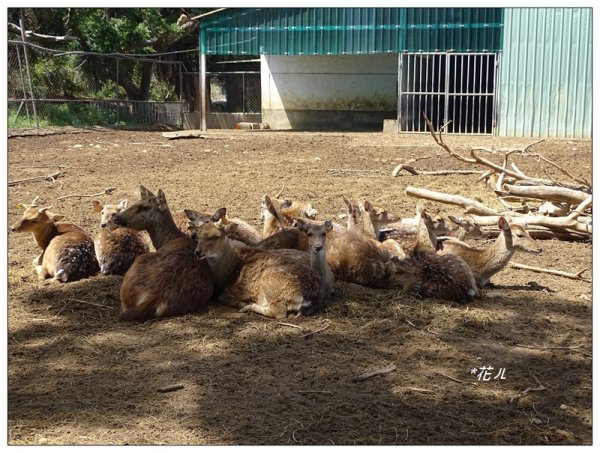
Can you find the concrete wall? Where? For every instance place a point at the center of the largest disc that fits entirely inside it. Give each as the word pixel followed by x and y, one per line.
pixel 328 92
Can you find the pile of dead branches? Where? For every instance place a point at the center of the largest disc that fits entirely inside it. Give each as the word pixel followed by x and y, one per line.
pixel 547 207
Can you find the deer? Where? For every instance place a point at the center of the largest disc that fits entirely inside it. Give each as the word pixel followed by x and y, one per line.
pixel 355 258
pixel 316 234
pixel 68 251
pixel 171 281
pixel 116 247
pixel 431 275
pixel 278 213
pixel 486 262
pixel 467 228
pixel 254 280
pixel 365 224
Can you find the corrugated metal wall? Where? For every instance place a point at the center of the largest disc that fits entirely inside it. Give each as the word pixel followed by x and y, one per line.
pixel 546 73
pixel 342 31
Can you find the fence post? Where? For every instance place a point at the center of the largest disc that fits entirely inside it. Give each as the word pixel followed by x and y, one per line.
pixel 22 86
pixel 22 24
pixel 117 93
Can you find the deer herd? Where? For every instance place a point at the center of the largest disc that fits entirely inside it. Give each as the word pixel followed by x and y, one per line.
pixel 289 267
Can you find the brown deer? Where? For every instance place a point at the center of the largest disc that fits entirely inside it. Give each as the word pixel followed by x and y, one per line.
pixel 467 228
pixel 278 213
pixel 442 277
pixel 316 234
pixel 260 281
pixel 364 219
pixel 67 250
pixel 355 258
pixel 485 262
pixel 171 281
pixel 116 247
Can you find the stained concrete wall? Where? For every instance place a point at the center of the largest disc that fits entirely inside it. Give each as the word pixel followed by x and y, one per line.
pixel 346 92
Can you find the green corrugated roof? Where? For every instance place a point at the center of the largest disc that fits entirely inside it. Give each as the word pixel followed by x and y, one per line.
pixel 339 31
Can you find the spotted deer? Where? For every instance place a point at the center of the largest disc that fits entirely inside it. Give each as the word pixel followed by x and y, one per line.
pixel 67 250
pixel 116 247
pixel 485 262
pixel 260 281
pixel 171 281
pixel 443 277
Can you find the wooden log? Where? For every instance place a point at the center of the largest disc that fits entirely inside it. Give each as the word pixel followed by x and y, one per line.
pixel 471 206
pixel 551 193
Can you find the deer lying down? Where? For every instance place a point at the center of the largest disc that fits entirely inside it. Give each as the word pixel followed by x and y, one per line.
pixel 362 219
pixel 278 213
pixel 260 281
pixel 67 251
pixel 116 247
pixel 443 277
pixel 489 261
pixel 170 281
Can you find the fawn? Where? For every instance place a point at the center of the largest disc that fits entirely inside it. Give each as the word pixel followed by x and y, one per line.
pixel 485 262
pixel 67 250
pixel 116 247
pixel 260 281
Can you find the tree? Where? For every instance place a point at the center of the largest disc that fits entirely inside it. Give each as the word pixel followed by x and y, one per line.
pixel 140 31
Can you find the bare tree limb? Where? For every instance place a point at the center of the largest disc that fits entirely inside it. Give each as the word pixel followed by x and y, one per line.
pixel 577 276
pixel 370 374
pixel 51 177
pixel 469 205
pixel 106 191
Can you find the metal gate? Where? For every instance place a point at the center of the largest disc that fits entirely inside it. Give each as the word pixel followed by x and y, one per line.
pixel 454 88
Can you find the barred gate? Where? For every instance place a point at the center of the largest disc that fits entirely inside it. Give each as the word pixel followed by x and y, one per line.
pixel 51 88
pixel 457 89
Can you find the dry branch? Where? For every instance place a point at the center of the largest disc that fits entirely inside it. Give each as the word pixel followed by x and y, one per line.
pixel 170 388
pixel 51 177
pixel 106 191
pixel 369 374
pixel 552 193
pixel 470 206
pixel 413 171
pixel 183 134
pixel 577 276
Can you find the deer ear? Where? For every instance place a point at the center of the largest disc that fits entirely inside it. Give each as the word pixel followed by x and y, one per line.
pixel 123 204
pixel 97 205
pixel 55 217
pixel 162 200
pixel 145 193
pixel 219 215
pixel 328 226
pixel 502 223
pixel 192 215
pixel 368 206
pixel 300 224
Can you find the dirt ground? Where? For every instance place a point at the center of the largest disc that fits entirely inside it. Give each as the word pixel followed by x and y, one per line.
pixel 77 375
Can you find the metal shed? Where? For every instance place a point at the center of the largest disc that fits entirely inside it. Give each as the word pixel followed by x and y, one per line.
pixel 336 67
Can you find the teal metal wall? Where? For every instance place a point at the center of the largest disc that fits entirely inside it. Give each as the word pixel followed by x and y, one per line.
pixel 546 73
pixel 340 31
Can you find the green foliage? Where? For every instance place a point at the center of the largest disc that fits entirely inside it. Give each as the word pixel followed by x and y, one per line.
pixel 110 31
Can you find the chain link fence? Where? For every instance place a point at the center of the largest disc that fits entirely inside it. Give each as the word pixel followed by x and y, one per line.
pixel 227 92
pixel 54 88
